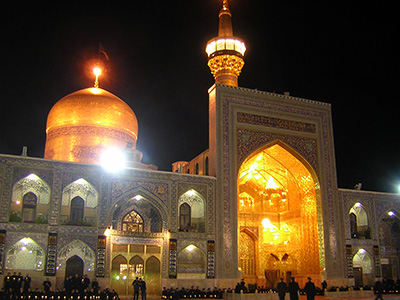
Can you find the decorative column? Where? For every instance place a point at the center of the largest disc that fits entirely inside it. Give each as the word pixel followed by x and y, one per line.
pixel 349 258
pixel 172 273
pixel 51 254
pixel 377 262
pixel 210 259
pixel 101 255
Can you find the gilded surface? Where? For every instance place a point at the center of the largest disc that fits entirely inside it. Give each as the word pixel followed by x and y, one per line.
pixel 276 193
pixel 226 64
pixel 81 125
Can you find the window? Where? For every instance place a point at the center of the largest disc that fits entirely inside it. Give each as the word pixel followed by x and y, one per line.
pixel 184 216
pixel 29 207
pixel 197 169
pixel 77 206
pixel 132 222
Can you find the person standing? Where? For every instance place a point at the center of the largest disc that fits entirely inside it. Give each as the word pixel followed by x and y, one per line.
pixel 95 284
pixel 282 289
pixel 378 289
pixel 135 284
pixel 293 289
pixel 46 285
pixel 85 282
pixel 309 289
pixel 27 284
pixel 142 285
pixel 7 282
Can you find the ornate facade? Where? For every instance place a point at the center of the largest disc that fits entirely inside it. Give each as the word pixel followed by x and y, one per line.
pixel 261 203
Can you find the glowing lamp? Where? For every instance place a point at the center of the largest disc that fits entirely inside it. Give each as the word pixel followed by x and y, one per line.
pixel 190 248
pixel 107 232
pixel 97 71
pixel 113 160
pixel 391 214
pixel 266 223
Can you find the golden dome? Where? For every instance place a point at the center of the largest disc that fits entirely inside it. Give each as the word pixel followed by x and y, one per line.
pixel 83 124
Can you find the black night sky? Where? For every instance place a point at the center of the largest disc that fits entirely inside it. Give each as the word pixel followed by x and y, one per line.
pixel 337 52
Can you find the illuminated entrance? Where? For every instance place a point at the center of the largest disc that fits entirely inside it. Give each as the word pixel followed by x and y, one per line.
pixel 131 261
pixel 278 217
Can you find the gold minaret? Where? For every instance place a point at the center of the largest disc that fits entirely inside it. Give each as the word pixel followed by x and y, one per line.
pixel 225 52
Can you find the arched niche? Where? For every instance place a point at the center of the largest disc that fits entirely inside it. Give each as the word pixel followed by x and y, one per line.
pixel 25 254
pixel 79 203
pixel 191 207
pixel 191 263
pixel 278 196
pixel 30 200
pixel 359 222
pixel 363 268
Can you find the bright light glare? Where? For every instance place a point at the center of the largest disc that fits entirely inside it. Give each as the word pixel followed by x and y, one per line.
pixel 113 160
pixel 97 71
pixel 391 214
pixel 190 248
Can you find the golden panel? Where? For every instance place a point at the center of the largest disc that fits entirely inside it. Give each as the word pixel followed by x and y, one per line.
pixel 276 193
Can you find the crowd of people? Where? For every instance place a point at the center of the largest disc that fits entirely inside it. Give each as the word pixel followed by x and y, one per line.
pixel 192 292
pixel 17 287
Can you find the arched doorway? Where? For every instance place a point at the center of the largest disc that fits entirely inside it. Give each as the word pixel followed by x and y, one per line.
pixel 277 202
pixel 153 276
pixel 74 266
pixel 362 267
pixel 119 275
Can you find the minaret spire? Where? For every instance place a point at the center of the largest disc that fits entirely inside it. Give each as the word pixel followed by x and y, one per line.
pixel 225 52
pixel 225 21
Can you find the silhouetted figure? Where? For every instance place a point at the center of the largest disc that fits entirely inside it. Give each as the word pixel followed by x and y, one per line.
pixel 282 289
pixel 324 286
pixel 310 289
pixel 46 286
pixel 142 285
pixel 7 282
pixel 135 284
pixel 293 289
pixel 378 289
pixel 27 283
pixel 95 285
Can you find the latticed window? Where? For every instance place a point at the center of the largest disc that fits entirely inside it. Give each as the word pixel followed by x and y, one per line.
pixel 132 222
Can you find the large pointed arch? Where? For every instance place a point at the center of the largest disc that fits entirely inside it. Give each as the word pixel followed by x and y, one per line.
pixel 140 200
pixel 278 197
pixel 25 254
pixel 81 250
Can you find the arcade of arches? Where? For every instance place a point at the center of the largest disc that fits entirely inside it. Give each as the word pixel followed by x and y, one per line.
pixel 277 217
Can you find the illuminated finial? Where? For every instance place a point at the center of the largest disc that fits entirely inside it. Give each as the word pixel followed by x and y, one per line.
pixel 97 72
